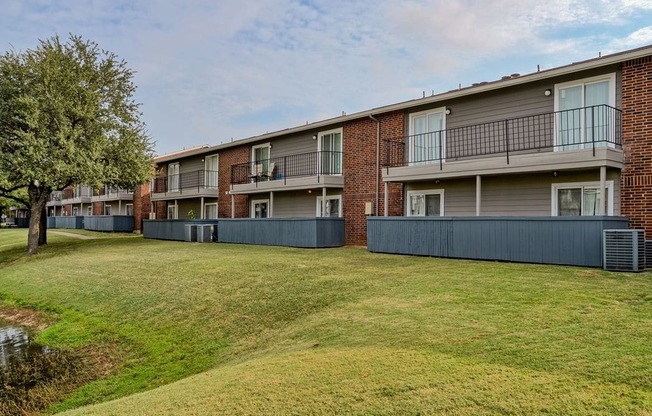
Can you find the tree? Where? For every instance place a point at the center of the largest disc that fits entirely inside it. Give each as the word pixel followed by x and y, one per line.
pixel 68 117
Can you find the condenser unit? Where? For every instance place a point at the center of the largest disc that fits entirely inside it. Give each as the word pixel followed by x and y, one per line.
pixel 624 250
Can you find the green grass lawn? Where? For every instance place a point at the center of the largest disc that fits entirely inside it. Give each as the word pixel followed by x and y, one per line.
pixel 234 329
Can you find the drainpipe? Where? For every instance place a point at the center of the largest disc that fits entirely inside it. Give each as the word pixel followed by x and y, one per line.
pixel 377 160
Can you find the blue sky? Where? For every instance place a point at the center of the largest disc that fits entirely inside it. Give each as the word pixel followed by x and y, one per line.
pixel 208 71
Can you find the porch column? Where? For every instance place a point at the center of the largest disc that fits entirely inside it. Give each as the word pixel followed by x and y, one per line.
pixel 478 194
pixel 270 210
pixel 323 202
pixel 232 206
pixel 201 210
pixel 386 200
pixel 603 190
pixel 119 206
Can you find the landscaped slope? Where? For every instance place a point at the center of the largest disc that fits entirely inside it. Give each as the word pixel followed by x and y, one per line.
pixel 269 330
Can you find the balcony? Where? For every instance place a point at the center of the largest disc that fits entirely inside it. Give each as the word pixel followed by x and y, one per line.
pixel 54 199
pixel 292 172
pixel 81 194
pixel 110 193
pixel 199 183
pixel 571 139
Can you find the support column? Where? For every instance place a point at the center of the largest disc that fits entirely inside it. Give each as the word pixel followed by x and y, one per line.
pixel 386 201
pixel 119 206
pixel 270 213
pixel 478 194
pixel 603 190
pixel 323 202
pixel 202 210
pixel 232 206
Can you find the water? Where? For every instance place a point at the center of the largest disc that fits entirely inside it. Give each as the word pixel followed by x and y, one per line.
pixel 16 344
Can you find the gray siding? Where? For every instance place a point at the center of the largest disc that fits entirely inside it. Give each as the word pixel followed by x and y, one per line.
pixel 573 241
pixel 185 205
pixel 191 164
pixel 513 195
pixel 292 145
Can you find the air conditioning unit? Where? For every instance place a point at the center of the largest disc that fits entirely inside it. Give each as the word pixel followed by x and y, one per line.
pixel 648 254
pixel 152 215
pixel 624 250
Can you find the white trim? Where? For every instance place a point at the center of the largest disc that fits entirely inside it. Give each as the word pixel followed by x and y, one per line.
pixel 572 185
pixel 425 192
pixel 217 169
pixel 260 146
pixel 89 211
pixel 217 214
pixel 320 136
pixel 177 181
pixel 252 212
pixel 611 78
pixel 127 210
pixel 411 133
pixel 329 197
pixel 105 209
pixel 175 212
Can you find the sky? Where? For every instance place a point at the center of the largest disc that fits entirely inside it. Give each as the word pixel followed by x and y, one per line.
pixel 209 71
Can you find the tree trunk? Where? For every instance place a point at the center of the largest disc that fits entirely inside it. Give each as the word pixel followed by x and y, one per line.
pixel 38 198
pixel 43 228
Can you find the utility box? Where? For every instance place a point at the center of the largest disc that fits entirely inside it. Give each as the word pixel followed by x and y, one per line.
pixel 624 250
pixel 368 208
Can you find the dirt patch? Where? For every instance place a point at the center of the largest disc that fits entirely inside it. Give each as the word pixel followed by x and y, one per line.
pixel 26 317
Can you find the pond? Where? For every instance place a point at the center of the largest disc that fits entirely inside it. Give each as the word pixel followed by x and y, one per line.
pixel 16 344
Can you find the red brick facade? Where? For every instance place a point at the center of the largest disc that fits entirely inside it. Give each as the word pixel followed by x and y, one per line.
pixel 142 205
pixel 98 208
pixel 360 174
pixel 229 157
pixel 636 178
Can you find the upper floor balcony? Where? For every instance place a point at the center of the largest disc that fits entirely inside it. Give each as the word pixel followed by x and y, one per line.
pixel 113 193
pixel 570 139
pixel 73 195
pixel 198 183
pixel 298 171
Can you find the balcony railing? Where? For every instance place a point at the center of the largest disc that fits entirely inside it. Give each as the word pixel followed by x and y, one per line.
pixel 112 191
pixel 581 128
pixel 55 196
pixel 78 192
pixel 188 181
pixel 286 167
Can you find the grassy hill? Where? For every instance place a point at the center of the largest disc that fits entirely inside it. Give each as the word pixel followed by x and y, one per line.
pixel 200 329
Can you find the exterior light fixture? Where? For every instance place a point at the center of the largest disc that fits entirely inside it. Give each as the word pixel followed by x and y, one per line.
pixel 448 111
pixel 547 92
pixel 314 137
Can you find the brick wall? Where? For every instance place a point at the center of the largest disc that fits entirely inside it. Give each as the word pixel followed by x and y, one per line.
pixel 360 172
pixel 636 178
pixel 228 157
pixel 98 208
pixel 142 205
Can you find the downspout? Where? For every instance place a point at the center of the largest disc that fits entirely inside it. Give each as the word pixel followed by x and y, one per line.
pixel 377 161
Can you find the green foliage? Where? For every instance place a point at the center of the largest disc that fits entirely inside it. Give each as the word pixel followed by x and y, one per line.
pixel 67 116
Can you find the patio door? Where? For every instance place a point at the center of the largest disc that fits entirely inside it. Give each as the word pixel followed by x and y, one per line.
pixel 427 137
pixel 211 171
pixel 330 152
pixel 259 208
pixel 260 160
pixel 173 177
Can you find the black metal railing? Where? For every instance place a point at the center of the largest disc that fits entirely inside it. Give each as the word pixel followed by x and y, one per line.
pixel 113 191
pixel 285 167
pixel 580 128
pixel 195 180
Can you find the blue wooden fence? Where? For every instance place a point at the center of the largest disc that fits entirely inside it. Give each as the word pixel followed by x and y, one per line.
pixel 548 240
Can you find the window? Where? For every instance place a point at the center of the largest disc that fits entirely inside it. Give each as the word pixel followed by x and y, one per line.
pixel 129 209
pixel 426 203
pixel 329 148
pixel 259 208
pixel 173 212
pixel 581 199
pixel 75 211
pixel 333 206
pixel 210 211
pixel 173 177
pixel 210 166
pixel 107 209
pixel 89 210
pixel 427 139
pixel 260 161
pixel 583 113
